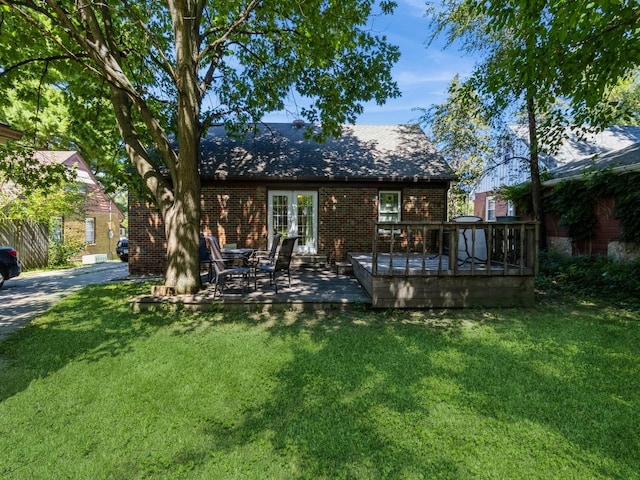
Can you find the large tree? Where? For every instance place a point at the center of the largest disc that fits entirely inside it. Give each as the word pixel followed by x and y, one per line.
pixel 460 128
pixel 172 68
pixel 536 51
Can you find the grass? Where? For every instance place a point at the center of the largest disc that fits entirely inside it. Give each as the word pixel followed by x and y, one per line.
pixel 92 391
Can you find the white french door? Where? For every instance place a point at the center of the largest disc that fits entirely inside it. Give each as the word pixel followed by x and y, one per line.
pixel 293 213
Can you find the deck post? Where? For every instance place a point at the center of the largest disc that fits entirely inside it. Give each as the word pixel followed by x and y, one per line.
pixel 376 233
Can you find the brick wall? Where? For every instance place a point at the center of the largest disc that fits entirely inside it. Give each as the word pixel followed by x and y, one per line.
pixel 75 228
pixel 345 220
pixel 607 230
pixel 237 213
pixel 147 244
pixel 480 205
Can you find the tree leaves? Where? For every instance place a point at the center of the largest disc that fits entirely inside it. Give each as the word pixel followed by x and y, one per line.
pixel 171 69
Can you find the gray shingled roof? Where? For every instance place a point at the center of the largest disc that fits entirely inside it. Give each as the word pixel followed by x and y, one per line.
pixel 624 159
pixel 363 152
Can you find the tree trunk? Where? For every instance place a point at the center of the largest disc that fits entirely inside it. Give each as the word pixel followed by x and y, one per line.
pixel 536 184
pixel 182 228
pixel 182 218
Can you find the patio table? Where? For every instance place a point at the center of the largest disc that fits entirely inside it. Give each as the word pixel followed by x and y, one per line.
pixel 238 257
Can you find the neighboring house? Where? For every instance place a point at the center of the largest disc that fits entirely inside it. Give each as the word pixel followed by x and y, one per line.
pixel 29 238
pixel 329 194
pixel 607 234
pixel 615 147
pixel 514 170
pixel 99 226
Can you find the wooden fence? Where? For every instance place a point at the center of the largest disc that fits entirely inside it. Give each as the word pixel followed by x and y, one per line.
pixel 30 239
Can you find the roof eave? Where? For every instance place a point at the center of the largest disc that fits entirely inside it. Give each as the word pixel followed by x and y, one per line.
pixel 9 133
pixel 581 176
pixel 329 178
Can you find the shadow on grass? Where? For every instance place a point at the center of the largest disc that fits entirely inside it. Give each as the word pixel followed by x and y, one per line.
pixel 343 409
pixel 90 324
pixel 392 394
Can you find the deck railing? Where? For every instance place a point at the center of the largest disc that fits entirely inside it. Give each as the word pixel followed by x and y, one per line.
pixel 455 248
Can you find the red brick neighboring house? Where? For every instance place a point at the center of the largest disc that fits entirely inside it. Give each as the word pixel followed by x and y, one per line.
pixel 329 194
pixel 574 151
pixel 607 233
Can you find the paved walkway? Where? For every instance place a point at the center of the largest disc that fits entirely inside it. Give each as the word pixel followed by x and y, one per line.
pixel 31 294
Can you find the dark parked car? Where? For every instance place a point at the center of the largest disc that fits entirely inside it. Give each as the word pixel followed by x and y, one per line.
pixel 10 265
pixel 122 249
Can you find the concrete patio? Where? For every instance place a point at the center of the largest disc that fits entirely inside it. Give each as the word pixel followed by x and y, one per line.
pixel 311 290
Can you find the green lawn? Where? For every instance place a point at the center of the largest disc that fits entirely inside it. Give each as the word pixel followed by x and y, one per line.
pixel 92 391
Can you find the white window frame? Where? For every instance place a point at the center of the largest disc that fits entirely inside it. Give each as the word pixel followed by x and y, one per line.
pixel 57 230
pixel 90 230
pixel 311 247
pixel 384 201
pixel 491 200
pixel 398 209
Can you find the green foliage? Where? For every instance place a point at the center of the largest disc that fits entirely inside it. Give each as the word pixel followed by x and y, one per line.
pixel 461 130
pixel 624 188
pixel 625 100
pixel 574 202
pixel 19 167
pixel 519 195
pixel 37 190
pixel 61 252
pixel 54 104
pixel 595 276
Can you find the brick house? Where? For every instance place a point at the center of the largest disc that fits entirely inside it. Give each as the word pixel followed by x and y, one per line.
pixel 574 150
pixel 606 239
pixel 99 225
pixel 329 194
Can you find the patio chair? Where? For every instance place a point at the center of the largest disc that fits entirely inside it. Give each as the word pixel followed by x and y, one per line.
pixel 266 257
pixel 205 257
pixel 221 272
pixel 281 264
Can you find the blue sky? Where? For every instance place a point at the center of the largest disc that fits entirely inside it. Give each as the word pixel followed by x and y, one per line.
pixel 423 74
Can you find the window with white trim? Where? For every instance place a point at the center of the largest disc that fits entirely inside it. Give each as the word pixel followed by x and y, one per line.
pixel 90 230
pixel 491 209
pixel 388 206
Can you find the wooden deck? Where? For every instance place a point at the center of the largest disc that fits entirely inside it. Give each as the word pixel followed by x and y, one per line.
pixel 450 265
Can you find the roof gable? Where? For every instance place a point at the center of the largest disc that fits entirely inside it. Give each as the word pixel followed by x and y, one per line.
pixel 363 152
pixel 99 200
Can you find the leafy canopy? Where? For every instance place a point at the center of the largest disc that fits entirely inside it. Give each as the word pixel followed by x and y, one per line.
pixel 536 52
pixel 171 69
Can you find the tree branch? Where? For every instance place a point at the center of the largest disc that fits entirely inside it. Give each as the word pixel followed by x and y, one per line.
pixel 217 46
pixel 9 69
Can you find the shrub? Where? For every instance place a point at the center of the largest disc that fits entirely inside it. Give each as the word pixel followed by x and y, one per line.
pixel 60 253
pixel 597 276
